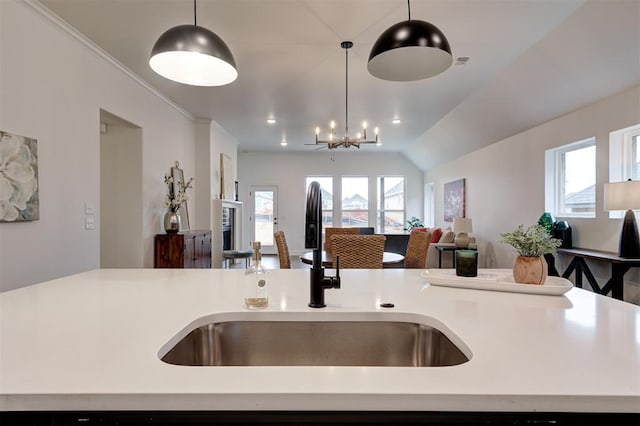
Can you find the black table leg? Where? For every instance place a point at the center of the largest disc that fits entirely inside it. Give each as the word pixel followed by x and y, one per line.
pixel 617 280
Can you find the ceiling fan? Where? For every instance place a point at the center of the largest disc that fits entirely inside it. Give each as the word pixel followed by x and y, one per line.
pixel 345 141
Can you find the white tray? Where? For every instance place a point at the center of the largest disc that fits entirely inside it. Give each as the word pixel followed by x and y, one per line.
pixel 496 281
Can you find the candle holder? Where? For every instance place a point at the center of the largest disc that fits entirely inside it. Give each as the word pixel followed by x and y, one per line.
pixel 466 263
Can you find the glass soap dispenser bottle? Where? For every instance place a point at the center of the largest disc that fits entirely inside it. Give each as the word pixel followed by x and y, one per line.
pixel 255 282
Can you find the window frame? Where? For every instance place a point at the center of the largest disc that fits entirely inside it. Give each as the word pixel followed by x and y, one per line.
pixel 332 211
pixel 380 206
pixel 555 178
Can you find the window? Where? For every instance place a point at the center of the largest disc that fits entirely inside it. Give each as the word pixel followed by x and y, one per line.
pixel 326 190
pixel 635 157
pixel 624 158
pixel 429 205
pixel 391 205
pixel 570 179
pixel 355 202
pixel 624 154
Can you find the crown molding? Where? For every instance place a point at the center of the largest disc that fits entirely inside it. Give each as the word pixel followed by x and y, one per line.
pixel 44 11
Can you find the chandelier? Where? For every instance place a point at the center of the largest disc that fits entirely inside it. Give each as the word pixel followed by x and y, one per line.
pixel 346 141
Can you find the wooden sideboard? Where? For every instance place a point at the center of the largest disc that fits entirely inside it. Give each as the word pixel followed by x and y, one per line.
pixel 188 249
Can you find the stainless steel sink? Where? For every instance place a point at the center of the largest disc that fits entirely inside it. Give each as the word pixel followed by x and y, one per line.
pixel 315 343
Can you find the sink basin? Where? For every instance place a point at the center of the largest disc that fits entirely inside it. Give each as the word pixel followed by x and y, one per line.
pixel 315 343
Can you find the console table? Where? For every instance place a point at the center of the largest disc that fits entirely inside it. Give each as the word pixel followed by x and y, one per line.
pixel 619 267
pixel 450 247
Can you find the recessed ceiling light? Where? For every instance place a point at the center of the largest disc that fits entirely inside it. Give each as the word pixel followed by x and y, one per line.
pixel 271 121
pixel 283 143
pixel 396 121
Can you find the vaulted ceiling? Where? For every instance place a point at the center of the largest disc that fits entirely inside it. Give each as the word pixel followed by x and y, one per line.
pixel 530 61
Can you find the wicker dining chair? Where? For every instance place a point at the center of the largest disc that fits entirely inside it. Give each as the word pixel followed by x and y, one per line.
pixel 283 250
pixel 329 232
pixel 358 251
pixel 416 255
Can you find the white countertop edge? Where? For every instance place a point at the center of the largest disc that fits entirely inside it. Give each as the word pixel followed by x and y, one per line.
pixel 321 402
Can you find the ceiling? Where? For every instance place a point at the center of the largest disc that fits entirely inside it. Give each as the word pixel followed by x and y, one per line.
pixel 530 61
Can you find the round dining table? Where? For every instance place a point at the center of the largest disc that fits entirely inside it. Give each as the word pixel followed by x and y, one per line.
pixel 389 259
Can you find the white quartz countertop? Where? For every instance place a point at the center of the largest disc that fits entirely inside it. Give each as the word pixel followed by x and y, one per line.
pixel 92 342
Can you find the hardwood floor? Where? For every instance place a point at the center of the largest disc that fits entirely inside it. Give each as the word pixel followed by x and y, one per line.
pixel 270 261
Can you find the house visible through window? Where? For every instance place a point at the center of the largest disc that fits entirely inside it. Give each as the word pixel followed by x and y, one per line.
pixel 355 202
pixel 391 204
pixel 326 190
pixel 570 179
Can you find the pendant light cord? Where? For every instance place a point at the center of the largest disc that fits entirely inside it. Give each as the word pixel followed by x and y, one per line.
pixel 346 93
pixel 408 8
pixel 195 16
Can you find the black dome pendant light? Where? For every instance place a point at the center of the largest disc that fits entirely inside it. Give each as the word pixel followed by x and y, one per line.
pixel 193 55
pixel 410 50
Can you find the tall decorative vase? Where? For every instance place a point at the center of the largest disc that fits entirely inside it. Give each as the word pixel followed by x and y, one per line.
pixel 530 270
pixel 171 221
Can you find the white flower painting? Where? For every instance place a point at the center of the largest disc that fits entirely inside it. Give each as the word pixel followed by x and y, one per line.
pixel 19 199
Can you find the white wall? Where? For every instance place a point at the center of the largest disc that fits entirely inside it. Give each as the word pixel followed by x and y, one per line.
pixel 211 141
pixel 505 181
pixel 287 171
pixel 52 88
pixel 120 185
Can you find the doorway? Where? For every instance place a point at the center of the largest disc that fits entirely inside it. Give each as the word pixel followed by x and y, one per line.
pixel 263 217
pixel 121 242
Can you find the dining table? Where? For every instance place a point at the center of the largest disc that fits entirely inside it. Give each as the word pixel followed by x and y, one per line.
pixel 389 259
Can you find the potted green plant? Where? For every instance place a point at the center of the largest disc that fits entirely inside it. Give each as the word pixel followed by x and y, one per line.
pixel 531 244
pixel 414 222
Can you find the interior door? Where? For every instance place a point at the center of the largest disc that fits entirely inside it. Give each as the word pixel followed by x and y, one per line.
pixel 263 217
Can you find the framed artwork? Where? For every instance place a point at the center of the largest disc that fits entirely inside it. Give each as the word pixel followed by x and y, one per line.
pixel 19 197
pixel 178 186
pixel 178 179
pixel 454 200
pixel 226 177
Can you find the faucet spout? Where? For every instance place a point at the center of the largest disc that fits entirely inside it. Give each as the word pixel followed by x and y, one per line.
pixel 313 240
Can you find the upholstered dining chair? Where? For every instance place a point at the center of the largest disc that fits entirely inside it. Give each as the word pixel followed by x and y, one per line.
pixel 358 251
pixel 329 232
pixel 416 255
pixel 283 250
